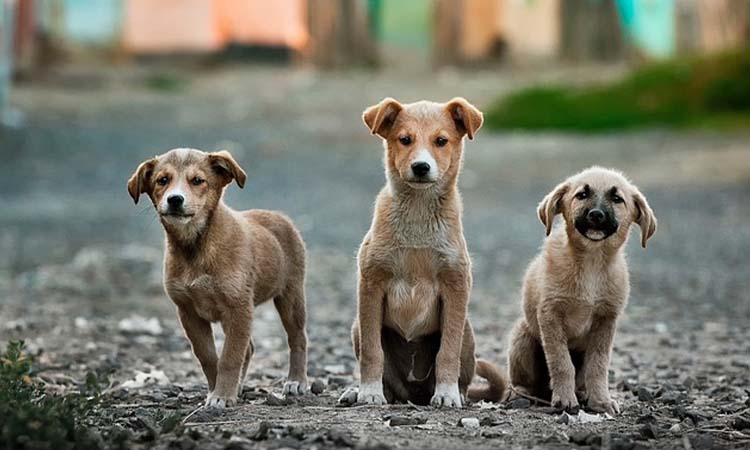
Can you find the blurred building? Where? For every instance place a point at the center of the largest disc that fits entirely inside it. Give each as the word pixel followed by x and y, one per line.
pixel 344 32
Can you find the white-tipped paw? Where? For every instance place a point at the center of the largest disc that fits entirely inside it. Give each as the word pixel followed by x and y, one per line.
pixel 608 406
pixel 446 395
pixel 294 388
pixel 371 393
pixel 219 401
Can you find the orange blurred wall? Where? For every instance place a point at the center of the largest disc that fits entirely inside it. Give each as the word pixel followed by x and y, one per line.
pixel 164 26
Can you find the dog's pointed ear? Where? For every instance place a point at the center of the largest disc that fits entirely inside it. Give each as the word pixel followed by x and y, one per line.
pixel 551 205
pixel 381 117
pixel 645 217
pixel 468 119
pixel 139 182
pixel 225 165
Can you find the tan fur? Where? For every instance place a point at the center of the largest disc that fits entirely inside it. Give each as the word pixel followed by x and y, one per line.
pixel 573 293
pixel 414 270
pixel 220 263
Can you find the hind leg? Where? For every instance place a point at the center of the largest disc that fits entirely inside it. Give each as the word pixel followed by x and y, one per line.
pixel 468 359
pixel 245 365
pixel 527 376
pixel 291 308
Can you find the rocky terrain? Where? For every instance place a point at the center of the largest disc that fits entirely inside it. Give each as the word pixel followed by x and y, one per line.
pixel 80 273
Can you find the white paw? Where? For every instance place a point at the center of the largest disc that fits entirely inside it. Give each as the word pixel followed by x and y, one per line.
pixel 446 394
pixel 371 393
pixel 608 406
pixel 294 388
pixel 349 397
pixel 220 402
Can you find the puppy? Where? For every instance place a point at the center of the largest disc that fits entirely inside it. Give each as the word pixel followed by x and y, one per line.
pixel 412 336
pixel 220 263
pixel 575 289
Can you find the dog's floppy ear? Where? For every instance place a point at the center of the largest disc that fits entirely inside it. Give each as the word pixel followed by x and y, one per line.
pixel 381 117
pixel 227 167
pixel 467 118
pixel 551 205
pixel 645 217
pixel 139 182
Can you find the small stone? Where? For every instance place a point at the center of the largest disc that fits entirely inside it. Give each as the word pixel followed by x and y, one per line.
pixel 582 437
pixel 274 400
pixel 650 431
pixel 398 421
pixel 469 422
pixel 520 403
pixel 644 394
pixel 676 428
pixel 262 433
pixel 184 443
pixel 317 387
pixel 740 423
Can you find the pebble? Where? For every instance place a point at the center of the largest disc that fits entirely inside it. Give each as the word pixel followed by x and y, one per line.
pixel 317 387
pixel 520 403
pixel 582 437
pixel 740 423
pixel 398 421
pixel 184 443
pixel 644 394
pixel 469 422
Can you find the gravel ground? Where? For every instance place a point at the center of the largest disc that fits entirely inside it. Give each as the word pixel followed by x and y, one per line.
pixel 79 259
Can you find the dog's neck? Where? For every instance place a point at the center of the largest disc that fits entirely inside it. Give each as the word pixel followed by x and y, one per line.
pixel 189 240
pixel 422 218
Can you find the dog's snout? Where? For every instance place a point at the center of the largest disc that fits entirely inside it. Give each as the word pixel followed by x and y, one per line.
pixel 596 216
pixel 420 168
pixel 175 201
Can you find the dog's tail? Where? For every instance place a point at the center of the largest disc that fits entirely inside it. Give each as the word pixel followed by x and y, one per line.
pixel 496 387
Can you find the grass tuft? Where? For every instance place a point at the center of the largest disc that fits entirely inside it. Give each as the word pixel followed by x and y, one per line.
pixel 30 418
pixel 709 91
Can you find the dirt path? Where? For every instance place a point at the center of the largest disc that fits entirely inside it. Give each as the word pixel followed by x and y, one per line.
pixel 78 257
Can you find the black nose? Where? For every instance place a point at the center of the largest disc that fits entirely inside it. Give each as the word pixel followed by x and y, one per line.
pixel 596 216
pixel 420 169
pixel 175 200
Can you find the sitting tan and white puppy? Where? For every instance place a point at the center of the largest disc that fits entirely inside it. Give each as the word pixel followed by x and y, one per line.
pixel 220 263
pixel 412 336
pixel 575 289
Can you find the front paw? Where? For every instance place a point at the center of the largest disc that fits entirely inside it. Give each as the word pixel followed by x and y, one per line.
pixel 218 401
pixel 565 399
pixel 605 405
pixel 446 395
pixel 293 388
pixel 371 393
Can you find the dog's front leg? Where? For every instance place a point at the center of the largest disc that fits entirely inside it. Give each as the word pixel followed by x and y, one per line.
pixel 370 317
pixel 454 296
pixel 201 337
pixel 237 330
pixel 555 344
pixel 596 365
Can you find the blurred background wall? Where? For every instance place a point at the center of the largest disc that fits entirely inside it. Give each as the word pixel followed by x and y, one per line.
pixel 329 34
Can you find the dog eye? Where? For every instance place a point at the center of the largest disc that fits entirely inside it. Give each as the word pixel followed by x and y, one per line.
pixel 405 140
pixel 441 141
pixel 582 195
pixel 617 199
pixel 162 181
pixel 197 181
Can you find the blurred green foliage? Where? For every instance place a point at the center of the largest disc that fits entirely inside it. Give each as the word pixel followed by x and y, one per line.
pixel 30 418
pixel 706 91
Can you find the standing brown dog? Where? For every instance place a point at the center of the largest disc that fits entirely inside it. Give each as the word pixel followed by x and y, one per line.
pixel 575 289
pixel 412 336
pixel 221 263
